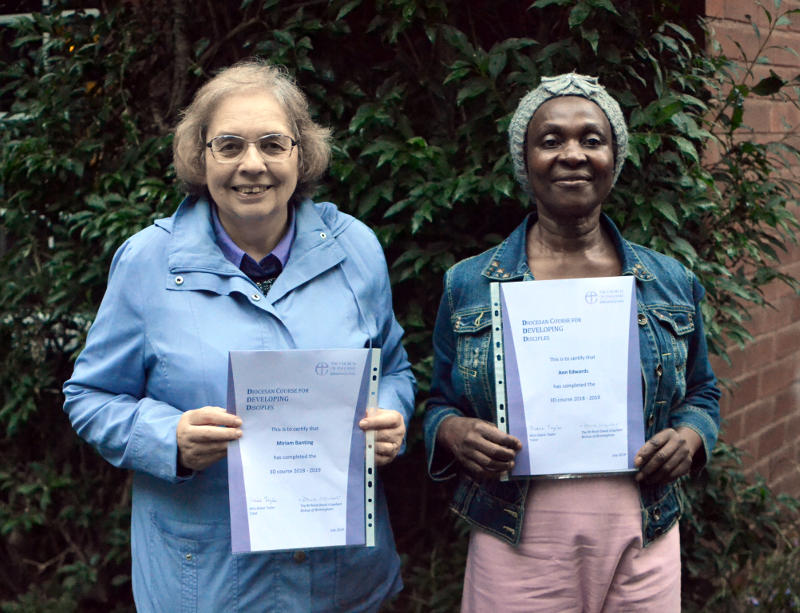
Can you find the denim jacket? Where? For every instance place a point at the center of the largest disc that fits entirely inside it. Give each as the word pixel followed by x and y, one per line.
pixel 678 384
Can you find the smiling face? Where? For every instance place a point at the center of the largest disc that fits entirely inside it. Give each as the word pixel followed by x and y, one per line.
pixel 570 157
pixel 251 194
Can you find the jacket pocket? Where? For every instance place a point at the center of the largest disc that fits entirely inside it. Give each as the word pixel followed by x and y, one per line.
pixel 677 326
pixel 187 559
pixel 473 330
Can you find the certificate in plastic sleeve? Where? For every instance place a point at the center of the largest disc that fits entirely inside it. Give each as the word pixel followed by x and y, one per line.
pixel 302 475
pixel 568 375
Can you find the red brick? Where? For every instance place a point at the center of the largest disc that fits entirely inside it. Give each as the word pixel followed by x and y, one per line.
pixel 761 350
pixel 781 463
pixel 734 411
pixel 767 320
pixel 761 71
pixel 744 360
pixel 787 403
pixel 732 429
pixel 749 448
pixel 760 468
pixel 793 431
pixel 787 341
pixel 788 484
pixel 791 263
pixel 777 376
pixel 723 370
pixel 715 8
pixel 728 33
pixel 779 289
pixel 771 439
pixel 758 416
pixel 768 120
pixel 746 391
pixel 784 39
pixel 744 10
pixel 784 304
pixel 758 115
pixel 725 404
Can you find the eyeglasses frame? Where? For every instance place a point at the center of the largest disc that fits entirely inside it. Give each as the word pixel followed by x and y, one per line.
pixel 294 142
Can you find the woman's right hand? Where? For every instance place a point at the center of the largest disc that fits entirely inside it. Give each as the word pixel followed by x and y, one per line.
pixel 201 440
pixel 479 446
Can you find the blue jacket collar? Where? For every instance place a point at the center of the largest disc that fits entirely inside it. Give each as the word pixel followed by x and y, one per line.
pixel 193 243
pixel 193 252
pixel 509 260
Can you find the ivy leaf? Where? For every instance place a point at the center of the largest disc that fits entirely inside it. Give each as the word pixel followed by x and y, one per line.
pixel 540 4
pixel 653 141
pixel 592 37
pixel 474 87
pixel 667 210
pixel 283 37
pixel 346 9
pixel 768 85
pixel 604 4
pixel 497 62
pixel 579 13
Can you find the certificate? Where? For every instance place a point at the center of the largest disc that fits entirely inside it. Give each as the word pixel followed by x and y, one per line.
pixel 302 474
pixel 568 375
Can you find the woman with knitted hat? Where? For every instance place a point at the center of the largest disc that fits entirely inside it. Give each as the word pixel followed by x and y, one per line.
pixel 598 543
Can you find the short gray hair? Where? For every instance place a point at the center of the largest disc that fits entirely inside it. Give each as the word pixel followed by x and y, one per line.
pixel 568 84
pixel 189 144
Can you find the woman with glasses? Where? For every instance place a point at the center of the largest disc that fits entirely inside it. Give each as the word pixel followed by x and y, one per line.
pixel 247 261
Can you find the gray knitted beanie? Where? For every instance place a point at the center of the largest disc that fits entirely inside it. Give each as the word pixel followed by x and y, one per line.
pixel 568 84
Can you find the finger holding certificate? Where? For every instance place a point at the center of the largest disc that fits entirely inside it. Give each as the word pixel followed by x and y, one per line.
pixel 389 431
pixel 571 384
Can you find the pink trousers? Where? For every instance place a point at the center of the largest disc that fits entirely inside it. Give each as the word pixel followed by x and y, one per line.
pixel 581 552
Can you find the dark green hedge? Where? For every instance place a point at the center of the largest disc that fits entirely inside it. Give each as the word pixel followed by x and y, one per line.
pixel 419 94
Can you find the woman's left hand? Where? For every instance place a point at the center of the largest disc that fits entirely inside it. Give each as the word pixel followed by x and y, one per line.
pixel 390 428
pixel 667 455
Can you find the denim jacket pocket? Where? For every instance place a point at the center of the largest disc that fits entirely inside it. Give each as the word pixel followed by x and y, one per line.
pixel 677 325
pixel 473 330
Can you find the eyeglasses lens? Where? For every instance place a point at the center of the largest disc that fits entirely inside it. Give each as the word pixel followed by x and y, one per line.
pixel 232 148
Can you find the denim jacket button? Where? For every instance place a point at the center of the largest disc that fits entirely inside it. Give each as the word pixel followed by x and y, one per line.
pixel 659 370
pixel 299 556
pixel 651 420
pixel 656 513
pixel 641 319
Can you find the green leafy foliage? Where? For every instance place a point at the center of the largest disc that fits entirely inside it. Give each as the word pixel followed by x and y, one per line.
pixel 741 547
pixel 419 95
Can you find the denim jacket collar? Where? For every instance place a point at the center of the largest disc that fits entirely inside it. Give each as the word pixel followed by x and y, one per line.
pixel 509 262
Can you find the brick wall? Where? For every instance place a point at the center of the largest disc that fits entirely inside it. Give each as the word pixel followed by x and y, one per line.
pixel 761 411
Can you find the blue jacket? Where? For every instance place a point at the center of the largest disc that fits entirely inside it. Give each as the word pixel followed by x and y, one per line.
pixel 173 308
pixel 678 384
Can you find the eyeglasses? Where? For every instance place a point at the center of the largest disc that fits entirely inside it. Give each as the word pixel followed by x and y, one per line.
pixel 227 148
